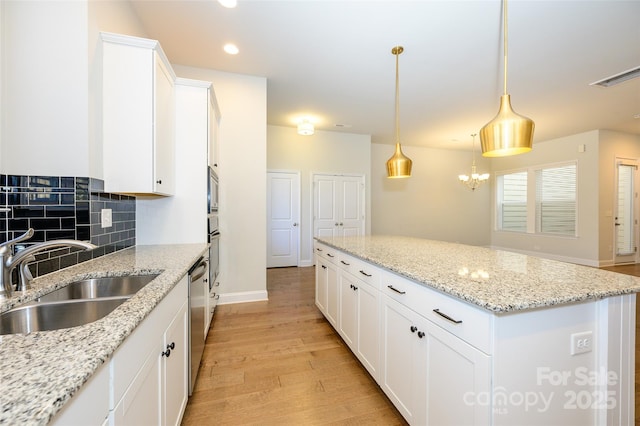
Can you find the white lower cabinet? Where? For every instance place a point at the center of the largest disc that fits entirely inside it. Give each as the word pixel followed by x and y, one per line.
pixel 158 393
pixel 422 359
pixel 327 289
pixel 358 320
pixel 403 376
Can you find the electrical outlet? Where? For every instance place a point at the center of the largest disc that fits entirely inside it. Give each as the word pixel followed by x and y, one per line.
pixel 581 342
pixel 105 218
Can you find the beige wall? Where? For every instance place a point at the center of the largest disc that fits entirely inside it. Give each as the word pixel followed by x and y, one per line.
pixel 323 152
pixel 612 145
pixel 432 203
pixel 583 248
pixel 243 180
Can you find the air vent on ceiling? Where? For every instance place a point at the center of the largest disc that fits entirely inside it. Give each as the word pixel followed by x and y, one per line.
pixel 618 78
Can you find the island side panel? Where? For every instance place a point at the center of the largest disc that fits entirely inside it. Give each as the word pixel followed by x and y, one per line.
pixel 536 378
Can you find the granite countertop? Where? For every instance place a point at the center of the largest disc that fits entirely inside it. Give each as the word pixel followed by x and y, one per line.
pixel 496 280
pixel 40 371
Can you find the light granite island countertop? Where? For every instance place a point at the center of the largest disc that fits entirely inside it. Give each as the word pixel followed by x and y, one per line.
pixel 41 371
pixel 496 280
pixel 456 334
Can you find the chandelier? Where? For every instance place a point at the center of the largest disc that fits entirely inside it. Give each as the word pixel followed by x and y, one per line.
pixel 475 179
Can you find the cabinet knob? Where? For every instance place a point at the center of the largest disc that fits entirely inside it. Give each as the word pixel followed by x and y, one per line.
pixel 295 224
pixel 159 181
pixel 421 334
pixel 170 346
pixel 414 328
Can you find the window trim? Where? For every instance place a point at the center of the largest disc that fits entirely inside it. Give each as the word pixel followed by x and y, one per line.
pixel 531 228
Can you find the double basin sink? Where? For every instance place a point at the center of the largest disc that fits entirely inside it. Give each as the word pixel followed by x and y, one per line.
pixel 78 303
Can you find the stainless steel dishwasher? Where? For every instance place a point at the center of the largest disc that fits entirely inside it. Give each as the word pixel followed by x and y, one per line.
pixel 198 288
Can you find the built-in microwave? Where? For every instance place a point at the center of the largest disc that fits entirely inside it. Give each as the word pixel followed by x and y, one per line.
pixel 212 192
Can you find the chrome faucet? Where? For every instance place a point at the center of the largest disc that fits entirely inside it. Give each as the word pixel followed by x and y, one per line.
pixel 9 261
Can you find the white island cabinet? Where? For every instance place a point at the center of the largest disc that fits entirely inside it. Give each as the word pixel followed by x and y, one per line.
pixel 137 116
pixel 472 336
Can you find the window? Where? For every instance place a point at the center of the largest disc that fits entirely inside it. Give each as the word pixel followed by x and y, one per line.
pixel 547 207
pixel 556 200
pixel 512 202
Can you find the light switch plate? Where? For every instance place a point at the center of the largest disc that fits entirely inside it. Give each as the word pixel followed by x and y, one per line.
pixel 105 218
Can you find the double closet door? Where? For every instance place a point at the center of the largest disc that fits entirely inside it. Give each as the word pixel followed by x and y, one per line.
pixel 338 205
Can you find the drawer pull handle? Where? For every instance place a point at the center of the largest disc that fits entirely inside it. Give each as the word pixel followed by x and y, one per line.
pixel 396 290
pixel 330 255
pixel 319 249
pixel 364 273
pixel 447 317
pixel 344 263
pixel 324 267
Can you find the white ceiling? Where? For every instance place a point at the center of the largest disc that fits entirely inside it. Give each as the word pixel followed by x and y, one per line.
pixel 332 60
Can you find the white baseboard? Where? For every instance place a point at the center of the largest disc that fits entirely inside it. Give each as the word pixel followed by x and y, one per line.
pixel 305 263
pixel 243 297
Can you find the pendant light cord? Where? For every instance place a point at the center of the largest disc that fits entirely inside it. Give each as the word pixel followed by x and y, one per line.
pixel 505 37
pixel 397 53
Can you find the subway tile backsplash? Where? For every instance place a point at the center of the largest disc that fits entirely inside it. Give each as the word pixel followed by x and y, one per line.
pixel 64 207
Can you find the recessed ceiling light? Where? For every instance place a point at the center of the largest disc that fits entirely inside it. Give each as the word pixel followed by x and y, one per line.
pixel 228 3
pixel 231 49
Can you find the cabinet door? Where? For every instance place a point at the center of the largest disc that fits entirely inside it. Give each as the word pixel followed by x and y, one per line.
pixel 458 375
pixel 214 131
pixel 348 316
pixel 369 328
pixel 403 372
pixel 175 369
pixel 163 155
pixel 322 272
pixel 333 294
pixel 141 403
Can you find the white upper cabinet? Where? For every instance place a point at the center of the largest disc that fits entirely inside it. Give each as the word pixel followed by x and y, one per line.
pixel 137 116
pixel 214 131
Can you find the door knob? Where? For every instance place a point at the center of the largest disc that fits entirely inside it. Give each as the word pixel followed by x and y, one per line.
pixel 295 224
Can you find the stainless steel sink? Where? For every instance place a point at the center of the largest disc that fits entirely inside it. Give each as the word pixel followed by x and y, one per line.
pixel 78 303
pixel 99 287
pixel 56 315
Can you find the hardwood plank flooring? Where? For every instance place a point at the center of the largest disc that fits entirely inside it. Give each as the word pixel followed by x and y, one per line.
pixel 280 362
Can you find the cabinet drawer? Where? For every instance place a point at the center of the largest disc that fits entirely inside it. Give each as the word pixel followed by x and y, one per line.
pixel 362 270
pixel 465 321
pixel 326 252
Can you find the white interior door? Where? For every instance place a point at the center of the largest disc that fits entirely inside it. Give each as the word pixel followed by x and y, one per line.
pixel 626 221
pixel 338 205
pixel 283 219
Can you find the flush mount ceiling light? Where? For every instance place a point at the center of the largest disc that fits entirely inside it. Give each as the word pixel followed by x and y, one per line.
pixel 231 49
pixel 399 165
pixel 508 133
pixel 230 4
pixel 475 179
pixel 305 128
pixel 618 78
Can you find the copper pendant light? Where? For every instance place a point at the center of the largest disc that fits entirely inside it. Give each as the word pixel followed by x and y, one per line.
pixel 509 133
pixel 399 165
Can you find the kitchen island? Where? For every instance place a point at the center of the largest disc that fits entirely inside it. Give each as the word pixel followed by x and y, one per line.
pixel 42 372
pixel 457 334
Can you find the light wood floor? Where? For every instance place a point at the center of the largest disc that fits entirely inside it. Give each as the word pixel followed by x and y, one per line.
pixel 633 270
pixel 281 363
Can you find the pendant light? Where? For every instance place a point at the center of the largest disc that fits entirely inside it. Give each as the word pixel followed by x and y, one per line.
pixel 508 133
pixel 399 165
pixel 475 179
